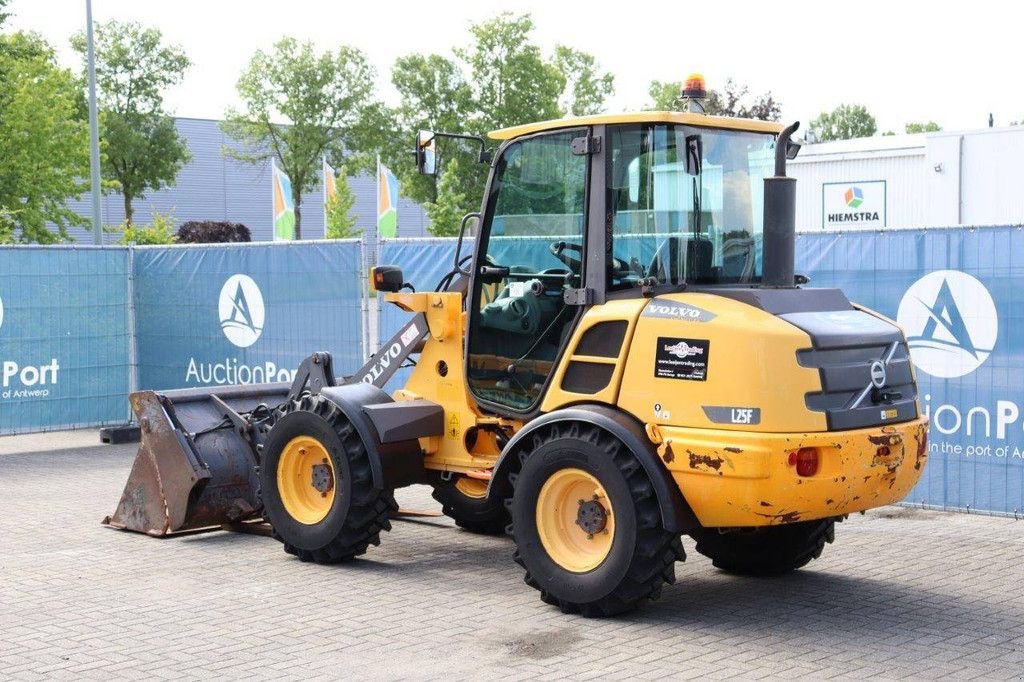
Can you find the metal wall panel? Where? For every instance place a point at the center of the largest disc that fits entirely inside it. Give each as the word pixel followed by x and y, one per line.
pixel 213 186
pixel 903 171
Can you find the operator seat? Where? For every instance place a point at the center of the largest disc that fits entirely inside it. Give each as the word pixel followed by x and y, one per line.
pixel 683 259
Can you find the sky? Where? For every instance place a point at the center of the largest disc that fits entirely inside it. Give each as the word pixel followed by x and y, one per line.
pixel 906 61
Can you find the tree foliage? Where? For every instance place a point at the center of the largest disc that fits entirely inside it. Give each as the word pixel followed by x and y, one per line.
pixel 734 99
pixel 927 127
pixel 143 150
pixel 299 104
pixel 212 232
pixel 845 122
pixel 160 231
pixel 447 211
pixel 44 143
pixel 340 223
pixel 500 77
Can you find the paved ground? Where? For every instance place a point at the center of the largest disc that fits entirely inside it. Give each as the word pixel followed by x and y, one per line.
pixel 902 594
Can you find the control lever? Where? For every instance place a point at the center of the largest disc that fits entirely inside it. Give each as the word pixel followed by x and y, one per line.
pixel 492 274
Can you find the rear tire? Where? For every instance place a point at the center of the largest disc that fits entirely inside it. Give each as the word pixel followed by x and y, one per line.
pixel 465 500
pixel 627 557
pixel 356 512
pixel 772 550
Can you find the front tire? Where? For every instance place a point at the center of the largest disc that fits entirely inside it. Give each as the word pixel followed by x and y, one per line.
pixel 586 523
pixel 318 492
pixel 465 500
pixel 768 551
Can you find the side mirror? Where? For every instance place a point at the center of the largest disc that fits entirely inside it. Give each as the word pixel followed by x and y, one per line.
pixel 694 154
pixel 426 152
pixel 387 278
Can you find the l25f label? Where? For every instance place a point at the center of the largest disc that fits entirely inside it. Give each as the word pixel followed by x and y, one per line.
pixel 682 359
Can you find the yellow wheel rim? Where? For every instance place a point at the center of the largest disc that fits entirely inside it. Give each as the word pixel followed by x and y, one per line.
pixel 306 480
pixel 575 520
pixel 472 487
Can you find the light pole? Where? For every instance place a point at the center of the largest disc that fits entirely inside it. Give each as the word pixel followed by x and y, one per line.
pixel 94 130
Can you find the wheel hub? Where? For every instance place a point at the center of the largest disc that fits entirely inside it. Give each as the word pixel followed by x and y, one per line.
pixel 323 479
pixel 306 480
pixel 591 517
pixel 575 520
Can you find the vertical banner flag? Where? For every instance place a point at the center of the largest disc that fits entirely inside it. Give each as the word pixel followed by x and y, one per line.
pixel 330 188
pixel 284 207
pixel 387 202
pixel 330 182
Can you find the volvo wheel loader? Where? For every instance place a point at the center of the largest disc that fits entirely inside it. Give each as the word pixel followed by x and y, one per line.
pixel 627 357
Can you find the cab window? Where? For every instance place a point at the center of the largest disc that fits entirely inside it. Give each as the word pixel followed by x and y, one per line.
pixel 533 241
pixel 686 204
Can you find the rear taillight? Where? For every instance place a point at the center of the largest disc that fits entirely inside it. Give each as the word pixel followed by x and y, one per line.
pixel 805 460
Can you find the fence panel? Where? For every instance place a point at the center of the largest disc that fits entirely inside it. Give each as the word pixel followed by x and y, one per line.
pixel 956 293
pixel 64 337
pixel 246 313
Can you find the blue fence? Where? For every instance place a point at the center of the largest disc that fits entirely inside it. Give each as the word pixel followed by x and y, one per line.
pixel 953 291
pixel 82 327
pixel 957 295
pixel 246 314
pixel 64 341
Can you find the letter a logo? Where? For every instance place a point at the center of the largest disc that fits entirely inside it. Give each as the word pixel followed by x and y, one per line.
pixel 241 310
pixel 951 323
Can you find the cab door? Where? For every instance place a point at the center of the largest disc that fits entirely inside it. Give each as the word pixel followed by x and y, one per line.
pixel 530 253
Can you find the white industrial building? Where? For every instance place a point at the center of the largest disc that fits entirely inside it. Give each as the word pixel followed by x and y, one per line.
pixel 972 177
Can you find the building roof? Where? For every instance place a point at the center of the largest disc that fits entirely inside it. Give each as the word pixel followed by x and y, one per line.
pixel 678 117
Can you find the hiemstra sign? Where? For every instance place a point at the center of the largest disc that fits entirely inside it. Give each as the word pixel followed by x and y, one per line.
pixel 853 204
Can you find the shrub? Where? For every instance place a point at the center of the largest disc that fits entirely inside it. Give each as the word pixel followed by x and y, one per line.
pixel 212 232
pixel 159 231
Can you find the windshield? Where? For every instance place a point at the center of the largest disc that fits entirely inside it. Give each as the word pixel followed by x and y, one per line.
pixel 686 204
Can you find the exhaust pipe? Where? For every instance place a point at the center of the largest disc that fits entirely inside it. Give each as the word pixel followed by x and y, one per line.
pixel 780 218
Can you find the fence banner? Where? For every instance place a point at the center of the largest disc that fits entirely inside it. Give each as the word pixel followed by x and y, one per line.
pixel 243 314
pixel 64 337
pixel 957 295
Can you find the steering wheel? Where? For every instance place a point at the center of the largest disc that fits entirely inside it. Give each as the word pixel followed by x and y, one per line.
pixel 620 268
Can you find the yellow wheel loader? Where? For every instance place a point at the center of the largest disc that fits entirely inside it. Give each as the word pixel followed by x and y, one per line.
pixel 626 357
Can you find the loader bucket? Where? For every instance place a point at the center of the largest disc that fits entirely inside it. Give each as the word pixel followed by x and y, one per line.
pixel 196 465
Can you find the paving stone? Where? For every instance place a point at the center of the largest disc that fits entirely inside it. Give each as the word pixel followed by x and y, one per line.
pixel 903 593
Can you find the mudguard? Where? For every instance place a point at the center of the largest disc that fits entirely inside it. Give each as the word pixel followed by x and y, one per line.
pixel 393 462
pixel 676 515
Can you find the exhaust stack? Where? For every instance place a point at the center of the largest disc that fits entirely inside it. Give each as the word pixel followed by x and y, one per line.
pixel 780 218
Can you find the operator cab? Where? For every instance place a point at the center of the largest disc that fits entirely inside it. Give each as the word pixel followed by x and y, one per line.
pixel 579 211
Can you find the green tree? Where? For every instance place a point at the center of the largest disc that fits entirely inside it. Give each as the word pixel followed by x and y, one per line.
pixel 845 122
pixel 143 150
pixel 500 78
pixel 447 211
pixel 585 88
pixel 434 95
pixel 734 99
pixel 340 223
pixel 298 105
pixel 7 226
pixel 929 127
pixel 44 141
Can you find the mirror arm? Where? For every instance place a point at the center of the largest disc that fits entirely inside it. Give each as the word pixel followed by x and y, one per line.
pixel 485 155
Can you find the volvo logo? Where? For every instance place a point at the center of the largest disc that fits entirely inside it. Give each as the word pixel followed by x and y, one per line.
pixel 878 374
